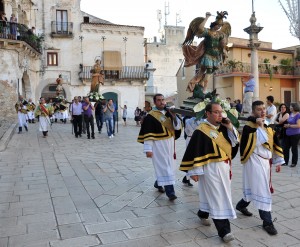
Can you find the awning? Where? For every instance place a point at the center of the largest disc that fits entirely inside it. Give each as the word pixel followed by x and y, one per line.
pixel 112 60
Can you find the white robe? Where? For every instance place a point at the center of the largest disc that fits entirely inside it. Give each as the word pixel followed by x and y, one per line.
pixel 256 174
pixel 163 159
pixel 214 186
pixel 43 123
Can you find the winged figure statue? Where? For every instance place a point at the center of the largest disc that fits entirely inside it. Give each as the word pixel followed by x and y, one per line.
pixel 209 53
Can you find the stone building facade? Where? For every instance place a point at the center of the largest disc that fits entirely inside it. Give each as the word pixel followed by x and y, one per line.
pixel 72 41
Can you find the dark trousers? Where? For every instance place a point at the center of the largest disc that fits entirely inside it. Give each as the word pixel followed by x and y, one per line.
pixel 264 215
pixel 77 122
pixel 291 142
pixel 222 225
pixel 99 121
pixel 89 121
pixel 83 124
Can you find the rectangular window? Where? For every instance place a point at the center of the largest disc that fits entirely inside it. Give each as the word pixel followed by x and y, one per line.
pixel 61 21
pixel 52 59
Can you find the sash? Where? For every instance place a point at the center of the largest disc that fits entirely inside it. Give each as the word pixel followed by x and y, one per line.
pixel 165 121
pixel 217 137
pixel 44 110
pixel 270 143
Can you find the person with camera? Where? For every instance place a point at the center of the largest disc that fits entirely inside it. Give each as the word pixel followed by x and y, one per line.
pixel 207 160
pixel 160 128
pixel 88 109
pixel 108 112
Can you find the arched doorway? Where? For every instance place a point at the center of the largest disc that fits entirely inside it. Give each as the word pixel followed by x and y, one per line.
pixel 114 97
pixel 25 87
pixel 111 95
pixel 49 92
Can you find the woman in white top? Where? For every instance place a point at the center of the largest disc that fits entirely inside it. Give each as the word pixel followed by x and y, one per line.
pixel 124 115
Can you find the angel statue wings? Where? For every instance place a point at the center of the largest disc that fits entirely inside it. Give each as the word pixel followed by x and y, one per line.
pixel 209 53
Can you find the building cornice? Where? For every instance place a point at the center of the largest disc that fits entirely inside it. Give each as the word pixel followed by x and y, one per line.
pixel 111 28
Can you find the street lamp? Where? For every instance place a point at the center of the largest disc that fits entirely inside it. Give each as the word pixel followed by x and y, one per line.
pixel 125 40
pixel 103 39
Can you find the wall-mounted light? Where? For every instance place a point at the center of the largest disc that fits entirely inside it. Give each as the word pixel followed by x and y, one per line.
pixel 274 57
pixel 271 88
pixel 249 54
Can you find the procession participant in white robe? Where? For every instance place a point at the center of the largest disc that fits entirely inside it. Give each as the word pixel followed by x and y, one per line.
pixel 158 132
pixel 207 161
pixel 21 109
pixel 259 150
pixel 190 125
pixel 30 111
pixel 43 111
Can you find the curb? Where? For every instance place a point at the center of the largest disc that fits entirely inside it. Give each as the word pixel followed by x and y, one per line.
pixel 7 136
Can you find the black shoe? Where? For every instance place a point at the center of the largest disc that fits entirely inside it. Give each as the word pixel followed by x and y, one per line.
pixel 270 229
pixel 93 137
pixel 160 188
pixel 284 164
pixel 76 136
pixel 26 128
pixel 172 197
pixel 293 165
pixel 187 181
pixel 244 211
pixel 88 137
pixel 79 135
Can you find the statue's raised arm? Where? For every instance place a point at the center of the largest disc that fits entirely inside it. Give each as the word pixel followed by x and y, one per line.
pixel 209 53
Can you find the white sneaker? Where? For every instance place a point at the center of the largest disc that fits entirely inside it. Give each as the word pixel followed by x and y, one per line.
pixel 109 137
pixel 112 135
pixel 205 222
pixel 228 237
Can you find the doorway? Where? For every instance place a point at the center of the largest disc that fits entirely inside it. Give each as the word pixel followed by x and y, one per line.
pixel 287 95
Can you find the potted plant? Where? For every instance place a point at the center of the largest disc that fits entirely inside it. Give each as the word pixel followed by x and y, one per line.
pixel 234 65
pixel 268 69
pixel 286 66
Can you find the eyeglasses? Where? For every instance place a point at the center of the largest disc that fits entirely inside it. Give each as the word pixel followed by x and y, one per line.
pixel 216 112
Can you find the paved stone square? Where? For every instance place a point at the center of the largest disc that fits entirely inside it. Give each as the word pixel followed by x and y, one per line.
pixel 61 191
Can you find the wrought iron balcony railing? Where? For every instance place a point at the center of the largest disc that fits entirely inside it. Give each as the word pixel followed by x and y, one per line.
pixel 263 68
pixel 128 72
pixel 61 29
pixel 16 31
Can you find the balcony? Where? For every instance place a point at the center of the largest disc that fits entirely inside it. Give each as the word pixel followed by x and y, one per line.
pixel 264 69
pixel 61 29
pixel 127 73
pixel 19 32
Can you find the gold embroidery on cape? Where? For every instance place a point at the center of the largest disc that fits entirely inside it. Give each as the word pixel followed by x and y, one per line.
pixel 165 121
pixel 216 137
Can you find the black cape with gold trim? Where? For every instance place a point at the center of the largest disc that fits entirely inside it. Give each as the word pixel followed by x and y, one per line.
pixel 249 137
pixel 152 129
pixel 201 150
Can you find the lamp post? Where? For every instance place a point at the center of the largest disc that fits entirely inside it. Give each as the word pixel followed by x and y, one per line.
pixel 103 39
pixel 81 38
pixel 253 31
pixel 125 40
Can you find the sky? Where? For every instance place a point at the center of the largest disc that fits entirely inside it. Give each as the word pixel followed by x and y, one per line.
pixel 269 14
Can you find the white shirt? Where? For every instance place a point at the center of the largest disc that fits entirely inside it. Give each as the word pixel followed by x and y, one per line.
pixel 273 111
pixel 76 109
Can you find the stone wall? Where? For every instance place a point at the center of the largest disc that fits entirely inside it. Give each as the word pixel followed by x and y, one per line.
pixel 8 98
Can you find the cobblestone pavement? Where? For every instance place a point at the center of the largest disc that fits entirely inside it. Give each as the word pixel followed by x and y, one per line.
pixel 61 191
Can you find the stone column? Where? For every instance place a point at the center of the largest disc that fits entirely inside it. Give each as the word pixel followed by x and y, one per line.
pixel 253 31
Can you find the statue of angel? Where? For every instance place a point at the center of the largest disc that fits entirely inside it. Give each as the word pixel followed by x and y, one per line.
pixel 209 53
